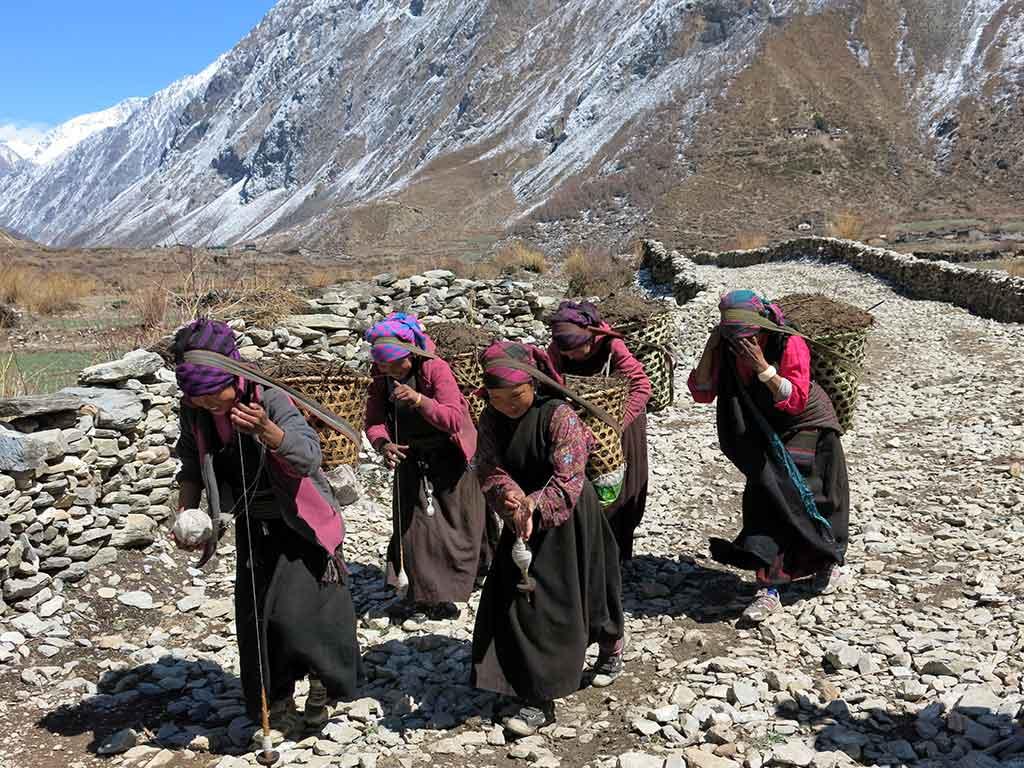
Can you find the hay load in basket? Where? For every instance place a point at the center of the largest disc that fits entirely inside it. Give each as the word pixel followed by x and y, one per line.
pixel 649 331
pixel 837 333
pixel 340 389
pixel 460 345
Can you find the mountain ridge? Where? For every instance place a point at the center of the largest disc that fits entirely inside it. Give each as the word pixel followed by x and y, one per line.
pixel 346 124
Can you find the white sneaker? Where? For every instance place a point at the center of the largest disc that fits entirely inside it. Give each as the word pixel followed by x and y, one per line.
pixel 764 604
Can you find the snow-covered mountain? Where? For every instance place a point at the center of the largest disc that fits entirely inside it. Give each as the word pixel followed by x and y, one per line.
pixel 10 160
pixel 70 134
pixel 333 105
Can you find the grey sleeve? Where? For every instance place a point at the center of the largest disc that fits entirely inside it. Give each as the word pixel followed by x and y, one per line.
pixel 187 452
pixel 300 448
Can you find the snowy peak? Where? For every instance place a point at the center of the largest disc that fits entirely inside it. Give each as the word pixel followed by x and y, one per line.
pixel 10 160
pixel 70 134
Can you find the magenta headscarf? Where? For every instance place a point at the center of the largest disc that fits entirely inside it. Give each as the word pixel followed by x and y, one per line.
pixel 497 377
pixel 212 335
pixel 573 324
pixel 749 300
pixel 397 325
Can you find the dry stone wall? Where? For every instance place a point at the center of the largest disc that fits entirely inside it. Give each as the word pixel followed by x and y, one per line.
pixel 90 471
pixel 988 293
pixel 333 326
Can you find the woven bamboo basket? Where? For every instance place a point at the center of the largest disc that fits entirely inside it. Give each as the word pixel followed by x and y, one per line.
pixel 650 342
pixel 345 394
pixel 837 359
pixel 611 394
pixel 477 405
pixel 658 331
pixel 466 368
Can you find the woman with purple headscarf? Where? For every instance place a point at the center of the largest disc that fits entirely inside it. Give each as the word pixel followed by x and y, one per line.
pixel 582 344
pixel 779 428
pixel 253 454
pixel 418 419
pixel 532 466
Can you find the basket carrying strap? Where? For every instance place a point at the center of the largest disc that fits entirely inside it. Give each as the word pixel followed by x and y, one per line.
pixel 392 341
pixel 747 317
pixel 251 372
pixel 598 411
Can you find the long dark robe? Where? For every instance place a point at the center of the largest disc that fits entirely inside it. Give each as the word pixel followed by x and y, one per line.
pixel 536 649
pixel 628 510
pixel 441 552
pixel 780 540
pixel 308 624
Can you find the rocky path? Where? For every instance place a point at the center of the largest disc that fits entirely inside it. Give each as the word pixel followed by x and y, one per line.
pixel 920 661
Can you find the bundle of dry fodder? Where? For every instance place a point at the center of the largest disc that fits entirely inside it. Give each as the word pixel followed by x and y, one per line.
pixel 606 467
pixel 460 346
pixel 650 331
pixel 837 334
pixel 261 307
pixel 339 388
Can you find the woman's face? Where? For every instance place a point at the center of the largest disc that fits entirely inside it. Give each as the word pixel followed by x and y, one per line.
pixel 512 402
pixel 580 353
pixel 397 369
pixel 218 403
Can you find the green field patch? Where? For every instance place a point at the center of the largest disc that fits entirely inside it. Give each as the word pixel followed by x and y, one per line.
pixel 30 373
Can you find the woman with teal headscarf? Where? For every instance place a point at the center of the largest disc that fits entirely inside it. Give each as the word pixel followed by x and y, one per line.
pixel 779 428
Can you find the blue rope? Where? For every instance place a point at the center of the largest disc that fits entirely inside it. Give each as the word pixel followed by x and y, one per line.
pixel 782 455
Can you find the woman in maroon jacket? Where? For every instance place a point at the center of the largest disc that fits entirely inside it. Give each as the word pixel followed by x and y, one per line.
pixel 584 345
pixel 418 419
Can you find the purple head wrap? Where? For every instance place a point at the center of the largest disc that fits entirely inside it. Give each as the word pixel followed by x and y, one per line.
pixel 573 324
pixel 398 325
pixel 498 376
pixel 198 380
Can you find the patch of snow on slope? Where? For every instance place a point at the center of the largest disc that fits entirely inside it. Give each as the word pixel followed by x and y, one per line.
pixel 70 134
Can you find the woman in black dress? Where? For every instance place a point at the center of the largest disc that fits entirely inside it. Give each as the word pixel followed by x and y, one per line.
pixel 531 459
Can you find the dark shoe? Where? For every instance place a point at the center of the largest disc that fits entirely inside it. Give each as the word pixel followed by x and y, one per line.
pixel 443 612
pixel 530 719
pixel 606 670
pixel 317 712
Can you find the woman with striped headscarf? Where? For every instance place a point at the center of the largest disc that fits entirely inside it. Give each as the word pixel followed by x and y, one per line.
pixel 532 645
pixel 779 428
pixel 419 421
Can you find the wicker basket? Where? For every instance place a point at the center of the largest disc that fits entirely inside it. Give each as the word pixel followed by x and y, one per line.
pixel 477 405
pixel 344 394
pixel 837 362
pixel 650 342
pixel 658 331
pixel 466 368
pixel 611 394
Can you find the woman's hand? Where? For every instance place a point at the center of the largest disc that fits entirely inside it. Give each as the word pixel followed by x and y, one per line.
pixel 512 501
pixel 394 454
pixel 524 519
pixel 403 393
pixel 749 351
pixel 252 419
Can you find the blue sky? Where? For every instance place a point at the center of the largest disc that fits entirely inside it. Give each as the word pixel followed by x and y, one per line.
pixel 62 58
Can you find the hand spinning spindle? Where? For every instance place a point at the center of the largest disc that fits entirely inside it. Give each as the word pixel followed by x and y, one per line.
pixel 523 558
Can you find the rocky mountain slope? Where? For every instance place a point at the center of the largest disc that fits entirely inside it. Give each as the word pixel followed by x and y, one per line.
pixel 344 123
